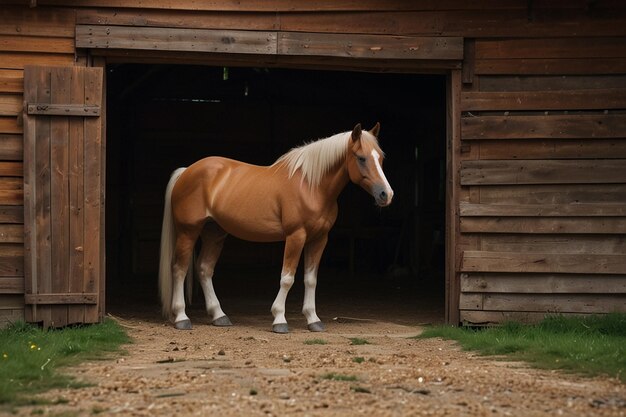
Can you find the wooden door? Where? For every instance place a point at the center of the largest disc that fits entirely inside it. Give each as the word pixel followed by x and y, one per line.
pixel 63 195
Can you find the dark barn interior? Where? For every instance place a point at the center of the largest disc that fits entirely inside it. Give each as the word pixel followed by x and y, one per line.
pixel 161 117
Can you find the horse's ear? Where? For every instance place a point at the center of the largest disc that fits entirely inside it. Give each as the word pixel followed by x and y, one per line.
pixel 356 132
pixel 375 130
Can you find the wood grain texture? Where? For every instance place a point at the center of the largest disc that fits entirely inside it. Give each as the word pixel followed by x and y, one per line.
pixel 11 214
pixel 488 318
pixel 12 285
pixel 11 81
pixel 553 149
pixel 543 283
pixel 544 225
pixel 44 22
pixel 547 48
pixel 554 303
pixel 542 210
pixel 543 172
pixel 10 104
pixel 484 261
pixel 553 194
pixel 11 147
pixel 62 109
pixel 19 43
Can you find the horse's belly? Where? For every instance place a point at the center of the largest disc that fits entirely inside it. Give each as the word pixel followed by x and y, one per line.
pixel 252 228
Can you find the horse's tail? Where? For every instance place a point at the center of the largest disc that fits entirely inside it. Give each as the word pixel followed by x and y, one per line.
pixel 168 243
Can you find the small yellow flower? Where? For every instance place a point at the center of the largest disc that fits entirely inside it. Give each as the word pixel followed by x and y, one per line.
pixel 5 355
pixel 33 346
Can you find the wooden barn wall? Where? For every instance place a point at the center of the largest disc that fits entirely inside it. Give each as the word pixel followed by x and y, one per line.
pixel 540 151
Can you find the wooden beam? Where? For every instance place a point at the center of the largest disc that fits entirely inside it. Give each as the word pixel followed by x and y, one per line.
pixel 548 171
pixel 570 126
pixel 169 39
pixel 64 298
pixel 46 109
pixel 12 285
pixel 484 261
pixel 370 46
pixel 554 303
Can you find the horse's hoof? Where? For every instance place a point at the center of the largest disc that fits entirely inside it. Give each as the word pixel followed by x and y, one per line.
pixel 183 325
pixel 318 326
pixel 281 328
pixel 222 322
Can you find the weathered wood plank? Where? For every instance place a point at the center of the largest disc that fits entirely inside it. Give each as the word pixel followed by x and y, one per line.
pixel 549 225
pixel 483 261
pixel 189 19
pixel 59 202
pixel 18 60
pixel 20 43
pixel 11 214
pixel 11 147
pixel 11 169
pixel 571 126
pixel 553 194
pixel 9 124
pixel 539 210
pixel 169 39
pixel 11 266
pixel 11 192
pixel 11 81
pixel 11 301
pixel 93 192
pixel 63 109
pixel 61 298
pixel 550 82
pixel 12 285
pixel 494 172
pixel 557 244
pixel 48 22
pixel 11 233
pixel 76 313
pixel 546 48
pixel 550 66
pixel 553 149
pixel 370 46
pixel 10 104
pixel 543 283
pixel 601 99
pixel 554 303
pixel 487 318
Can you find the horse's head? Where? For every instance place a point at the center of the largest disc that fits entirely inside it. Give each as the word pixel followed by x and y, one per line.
pixel 365 164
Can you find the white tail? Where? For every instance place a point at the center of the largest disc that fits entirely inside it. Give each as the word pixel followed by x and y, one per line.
pixel 168 242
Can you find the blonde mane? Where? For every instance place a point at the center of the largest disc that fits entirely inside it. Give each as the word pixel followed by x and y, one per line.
pixel 315 159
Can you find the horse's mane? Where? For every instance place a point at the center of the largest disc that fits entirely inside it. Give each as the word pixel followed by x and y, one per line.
pixel 316 158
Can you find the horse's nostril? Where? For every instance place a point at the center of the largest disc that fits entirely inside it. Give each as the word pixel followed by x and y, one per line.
pixel 383 195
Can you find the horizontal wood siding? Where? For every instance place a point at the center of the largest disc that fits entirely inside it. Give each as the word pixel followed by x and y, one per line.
pixel 544 132
pixel 540 149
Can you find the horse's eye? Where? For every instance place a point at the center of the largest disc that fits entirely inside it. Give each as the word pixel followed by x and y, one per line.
pixel 361 159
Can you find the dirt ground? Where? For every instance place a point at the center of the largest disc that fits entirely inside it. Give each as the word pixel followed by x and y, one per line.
pixel 246 370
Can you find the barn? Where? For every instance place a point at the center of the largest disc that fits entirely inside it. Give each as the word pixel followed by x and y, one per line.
pixel 503 121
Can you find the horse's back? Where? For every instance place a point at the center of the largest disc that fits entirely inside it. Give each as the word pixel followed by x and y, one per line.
pixel 244 199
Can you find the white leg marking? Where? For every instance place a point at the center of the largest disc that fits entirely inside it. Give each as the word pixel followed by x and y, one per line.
pixel 213 306
pixel 308 307
pixel 178 294
pixel 278 307
pixel 388 189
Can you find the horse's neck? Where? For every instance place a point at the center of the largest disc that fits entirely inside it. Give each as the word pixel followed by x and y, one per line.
pixel 334 181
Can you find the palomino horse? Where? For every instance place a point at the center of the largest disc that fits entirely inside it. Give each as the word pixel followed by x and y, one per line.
pixel 294 200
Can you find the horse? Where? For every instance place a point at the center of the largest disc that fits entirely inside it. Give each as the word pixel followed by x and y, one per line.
pixel 293 200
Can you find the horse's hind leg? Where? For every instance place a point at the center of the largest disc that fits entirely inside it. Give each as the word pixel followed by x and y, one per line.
pixel 293 248
pixel 212 242
pixel 184 248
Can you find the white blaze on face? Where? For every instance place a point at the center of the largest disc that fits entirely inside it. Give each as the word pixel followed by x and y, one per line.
pixel 381 174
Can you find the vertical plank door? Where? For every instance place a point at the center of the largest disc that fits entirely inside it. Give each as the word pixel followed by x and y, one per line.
pixel 63 195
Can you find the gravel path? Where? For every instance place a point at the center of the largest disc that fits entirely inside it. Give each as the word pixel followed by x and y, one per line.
pixel 246 370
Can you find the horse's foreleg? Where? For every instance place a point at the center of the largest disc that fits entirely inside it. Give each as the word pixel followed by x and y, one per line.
pixel 183 252
pixel 212 242
pixel 312 255
pixel 293 249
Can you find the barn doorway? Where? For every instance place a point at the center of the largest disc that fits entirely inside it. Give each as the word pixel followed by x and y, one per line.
pixel 160 117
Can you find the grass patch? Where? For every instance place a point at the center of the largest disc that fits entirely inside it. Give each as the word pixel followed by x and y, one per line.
pixel 358 359
pixel 31 357
pixel 356 341
pixel 591 345
pixel 315 342
pixel 339 377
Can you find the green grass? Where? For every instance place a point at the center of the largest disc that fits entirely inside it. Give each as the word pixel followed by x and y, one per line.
pixel 358 359
pixel 315 342
pixel 30 357
pixel 591 345
pixel 356 341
